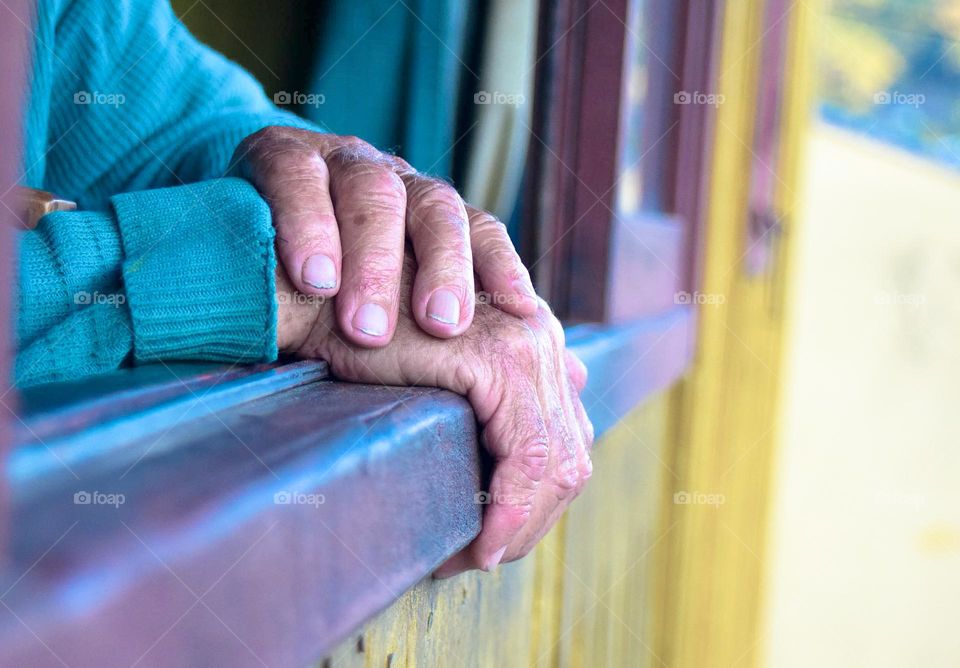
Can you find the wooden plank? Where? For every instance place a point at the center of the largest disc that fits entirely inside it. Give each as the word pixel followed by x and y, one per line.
pixel 111 415
pixel 291 518
pixel 124 523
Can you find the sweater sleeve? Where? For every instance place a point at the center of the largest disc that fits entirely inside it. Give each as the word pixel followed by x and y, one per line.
pixel 136 102
pixel 182 273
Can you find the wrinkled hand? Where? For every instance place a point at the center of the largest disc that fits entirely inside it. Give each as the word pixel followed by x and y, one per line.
pixel 524 388
pixel 343 211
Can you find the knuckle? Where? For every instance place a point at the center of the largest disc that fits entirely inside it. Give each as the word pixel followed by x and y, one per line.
pixel 379 189
pixel 436 200
pixel 294 162
pixel 534 459
pixel 487 223
pixel 566 479
pixel 491 234
pixel 349 151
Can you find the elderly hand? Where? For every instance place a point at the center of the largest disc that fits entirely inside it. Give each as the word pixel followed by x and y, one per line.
pixel 343 211
pixel 522 383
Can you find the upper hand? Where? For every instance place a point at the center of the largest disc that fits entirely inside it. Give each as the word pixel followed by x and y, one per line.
pixel 343 211
pixel 524 388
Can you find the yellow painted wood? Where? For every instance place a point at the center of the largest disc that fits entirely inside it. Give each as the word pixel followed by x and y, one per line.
pixel 722 427
pixel 580 599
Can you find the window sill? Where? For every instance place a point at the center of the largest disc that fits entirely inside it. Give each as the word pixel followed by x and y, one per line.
pixel 271 505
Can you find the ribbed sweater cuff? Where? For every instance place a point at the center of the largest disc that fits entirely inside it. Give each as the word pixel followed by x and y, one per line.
pixel 199 272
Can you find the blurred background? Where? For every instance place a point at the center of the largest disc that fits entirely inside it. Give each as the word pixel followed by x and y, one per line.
pixel 864 565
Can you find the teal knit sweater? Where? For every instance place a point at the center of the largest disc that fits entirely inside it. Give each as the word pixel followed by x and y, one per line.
pixel 136 121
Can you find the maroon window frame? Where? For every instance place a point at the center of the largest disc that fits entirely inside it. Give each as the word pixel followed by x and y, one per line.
pixel 593 260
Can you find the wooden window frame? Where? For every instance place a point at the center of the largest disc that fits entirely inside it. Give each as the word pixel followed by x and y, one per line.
pixel 585 252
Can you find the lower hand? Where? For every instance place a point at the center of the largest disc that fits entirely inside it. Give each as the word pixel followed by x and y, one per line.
pixel 524 388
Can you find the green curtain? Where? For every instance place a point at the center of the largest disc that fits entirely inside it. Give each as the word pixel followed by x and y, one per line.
pixel 390 72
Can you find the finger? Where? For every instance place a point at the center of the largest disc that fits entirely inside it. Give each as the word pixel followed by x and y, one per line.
pixel 496 262
pixel 443 291
pixel 370 203
pixel 293 178
pixel 577 370
pixel 521 462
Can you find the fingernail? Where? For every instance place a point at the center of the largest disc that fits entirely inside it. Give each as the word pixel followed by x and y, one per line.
pixel 371 319
pixel 494 561
pixel 524 289
pixel 444 307
pixel 320 272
